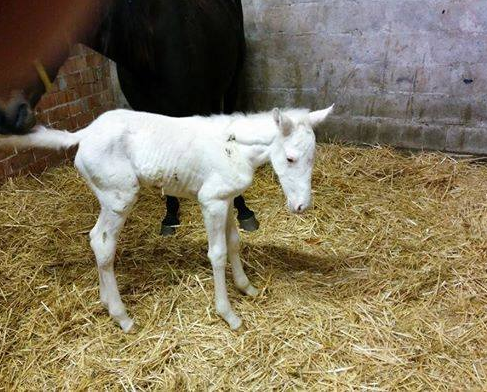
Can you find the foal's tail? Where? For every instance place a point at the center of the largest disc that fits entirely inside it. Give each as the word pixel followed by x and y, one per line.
pixel 44 138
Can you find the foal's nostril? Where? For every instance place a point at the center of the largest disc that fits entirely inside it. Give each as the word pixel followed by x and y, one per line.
pixel 300 208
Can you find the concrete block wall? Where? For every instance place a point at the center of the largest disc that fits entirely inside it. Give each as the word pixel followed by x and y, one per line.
pixel 82 91
pixel 410 73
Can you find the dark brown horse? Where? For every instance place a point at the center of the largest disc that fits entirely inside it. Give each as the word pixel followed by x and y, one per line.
pixel 174 57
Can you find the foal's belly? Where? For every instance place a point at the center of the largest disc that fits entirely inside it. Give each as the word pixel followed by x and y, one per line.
pixel 174 179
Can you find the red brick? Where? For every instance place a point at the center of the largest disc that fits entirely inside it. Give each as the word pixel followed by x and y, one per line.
pixel 108 96
pixel 75 108
pixel 94 60
pixel 55 86
pixel 3 170
pixel 7 168
pixel 62 97
pixel 83 119
pixel 94 101
pixel 65 124
pixel 40 153
pixel 98 74
pixel 78 50
pixel 81 63
pixel 42 118
pixel 38 166
pixel 70 66
pixel 56 158
pixel 98 87
pixel 88 76
pixel 21 160
pixel 6 153
pixel 71 153
pixel 105 72
pixel 72 95
pixel 20 172
pixel 61 81
pixel 73 80
pixel 85 90
pixel 109 106
pixel 99 111
pixel 47 101
pixel 58 114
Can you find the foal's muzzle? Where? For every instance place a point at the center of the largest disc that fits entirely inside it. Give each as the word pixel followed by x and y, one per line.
pixel 298 207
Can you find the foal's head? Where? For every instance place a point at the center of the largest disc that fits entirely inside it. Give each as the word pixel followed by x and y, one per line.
pixel 292 155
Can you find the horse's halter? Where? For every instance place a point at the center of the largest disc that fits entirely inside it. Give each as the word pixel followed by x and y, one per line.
pixel 41 71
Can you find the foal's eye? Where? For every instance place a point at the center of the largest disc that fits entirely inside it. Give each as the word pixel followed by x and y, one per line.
pixel 291 160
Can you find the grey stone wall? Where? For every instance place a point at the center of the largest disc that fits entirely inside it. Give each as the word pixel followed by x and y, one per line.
pixel 410 73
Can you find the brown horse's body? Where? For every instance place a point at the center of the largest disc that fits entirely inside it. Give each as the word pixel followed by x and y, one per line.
pixel 178 57
pixel 174 57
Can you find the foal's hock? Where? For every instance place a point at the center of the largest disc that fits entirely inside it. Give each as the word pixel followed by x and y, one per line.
pixel 211 159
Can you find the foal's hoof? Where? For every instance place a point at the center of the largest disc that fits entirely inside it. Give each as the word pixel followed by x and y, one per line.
pixel 251 291
pixel 234 322
pixel 127 325
pixel 167 231
pixel 249 224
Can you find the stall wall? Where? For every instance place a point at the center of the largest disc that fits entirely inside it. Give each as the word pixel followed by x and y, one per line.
pixel 409 73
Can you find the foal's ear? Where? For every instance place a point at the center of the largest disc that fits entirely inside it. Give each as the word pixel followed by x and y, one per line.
pixel 283 122
pixel 319 116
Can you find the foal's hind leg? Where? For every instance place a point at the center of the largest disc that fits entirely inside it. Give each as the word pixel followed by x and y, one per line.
pixel 115 207
pixel 233 247
pixel 172 216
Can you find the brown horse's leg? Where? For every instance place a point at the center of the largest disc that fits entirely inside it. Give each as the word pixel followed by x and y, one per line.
pixel 172 216
pixel 245 216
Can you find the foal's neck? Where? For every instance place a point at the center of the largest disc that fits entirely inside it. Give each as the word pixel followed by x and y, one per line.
pixel 254 135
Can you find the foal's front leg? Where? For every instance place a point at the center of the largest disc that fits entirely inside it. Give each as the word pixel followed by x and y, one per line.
pixel 215 216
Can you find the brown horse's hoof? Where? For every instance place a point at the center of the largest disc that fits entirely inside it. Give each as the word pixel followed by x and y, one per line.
pixel 249 224
pixel 167 231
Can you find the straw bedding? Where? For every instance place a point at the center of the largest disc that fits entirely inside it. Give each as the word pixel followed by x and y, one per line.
pixel 381 286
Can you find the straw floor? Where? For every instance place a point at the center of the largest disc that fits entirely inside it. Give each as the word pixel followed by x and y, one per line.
pixel 381 286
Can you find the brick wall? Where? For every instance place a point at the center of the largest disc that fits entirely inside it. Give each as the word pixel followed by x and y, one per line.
pixel 411 73
pixel 82 91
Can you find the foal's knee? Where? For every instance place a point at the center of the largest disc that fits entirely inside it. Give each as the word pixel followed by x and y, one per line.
pixel 217 256
pixel 103 246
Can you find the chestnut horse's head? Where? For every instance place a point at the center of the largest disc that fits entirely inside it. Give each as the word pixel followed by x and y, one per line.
pixel 16 113
pixel 35 40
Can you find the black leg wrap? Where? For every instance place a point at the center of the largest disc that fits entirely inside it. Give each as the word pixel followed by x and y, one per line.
pixel 246 217
pixel 172 217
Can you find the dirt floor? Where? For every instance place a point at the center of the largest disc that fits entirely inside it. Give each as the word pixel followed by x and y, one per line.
pixel 381 286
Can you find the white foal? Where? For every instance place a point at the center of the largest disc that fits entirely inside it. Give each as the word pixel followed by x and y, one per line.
pixel 212 159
